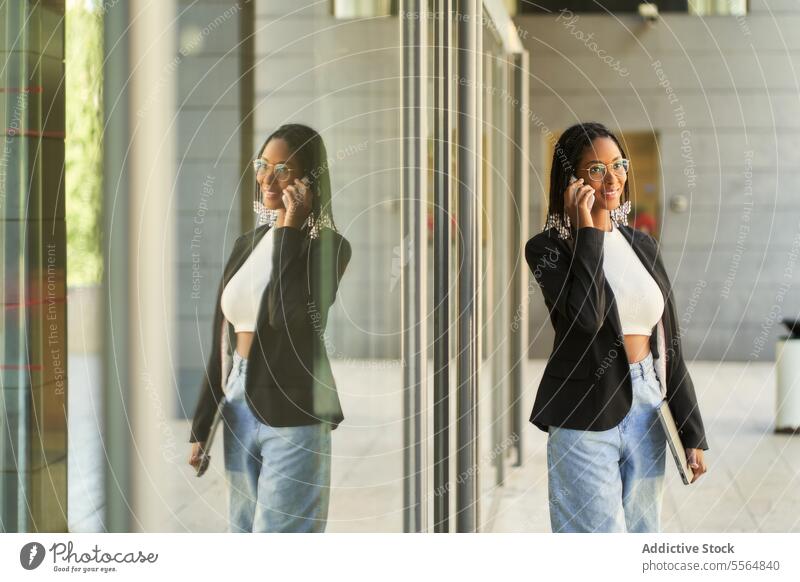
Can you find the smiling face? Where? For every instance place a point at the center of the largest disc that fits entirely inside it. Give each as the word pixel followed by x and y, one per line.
pixel 609 189
pixel 279 172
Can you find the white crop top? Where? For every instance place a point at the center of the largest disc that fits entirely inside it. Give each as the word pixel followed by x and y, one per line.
pixel 241 297
pixel 640 302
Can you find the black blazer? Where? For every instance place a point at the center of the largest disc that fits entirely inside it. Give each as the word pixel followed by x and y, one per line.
pixel 289 380
pixel 586 383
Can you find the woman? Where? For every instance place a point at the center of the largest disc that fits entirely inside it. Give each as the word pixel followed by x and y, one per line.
pixel 616 346
pixel 280 396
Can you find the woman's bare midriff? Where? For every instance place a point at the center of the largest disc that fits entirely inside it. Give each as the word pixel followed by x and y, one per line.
pixel 244 339
pixel 636 347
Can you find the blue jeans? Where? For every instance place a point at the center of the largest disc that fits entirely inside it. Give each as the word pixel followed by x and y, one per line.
pixel 611 480
pixel 278 477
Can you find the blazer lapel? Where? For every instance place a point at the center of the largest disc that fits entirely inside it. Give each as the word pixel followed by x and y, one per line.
pixel 612 305
pixel 646 256
pixel 226 342
pixel 611 308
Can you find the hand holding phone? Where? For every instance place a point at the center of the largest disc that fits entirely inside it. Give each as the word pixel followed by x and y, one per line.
pixel 297 200
pixel 308 181
pixel 574 196
pixel 590 198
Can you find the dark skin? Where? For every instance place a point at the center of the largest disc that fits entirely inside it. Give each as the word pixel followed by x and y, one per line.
pixel 607 193
pixel 292 200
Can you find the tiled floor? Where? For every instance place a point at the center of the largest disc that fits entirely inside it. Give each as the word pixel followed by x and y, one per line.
pixel 752 484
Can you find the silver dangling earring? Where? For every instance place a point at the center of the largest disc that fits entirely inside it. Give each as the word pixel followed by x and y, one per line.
pixel 562 227
pixel 620 214
pixel 313 228
pixel 264 215
pixel 316 224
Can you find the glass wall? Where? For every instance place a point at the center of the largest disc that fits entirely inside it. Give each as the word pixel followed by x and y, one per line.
pixel 33 366
pixel 399 318
pixel 367 83
pixel 341 77
pixel 499 251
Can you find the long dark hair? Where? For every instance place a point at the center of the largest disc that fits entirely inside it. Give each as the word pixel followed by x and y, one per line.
pixel 307 149
pixel 566 155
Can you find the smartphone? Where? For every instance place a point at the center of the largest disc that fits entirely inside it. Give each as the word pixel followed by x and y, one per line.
pixel 308 181
pixel 590 203
pixel 205 456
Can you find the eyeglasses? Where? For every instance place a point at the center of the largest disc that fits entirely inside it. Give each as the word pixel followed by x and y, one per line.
pixel 281 171
pixel 598 171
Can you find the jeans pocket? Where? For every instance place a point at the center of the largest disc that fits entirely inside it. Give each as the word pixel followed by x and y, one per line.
pixel 234 387
pixel 654 385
